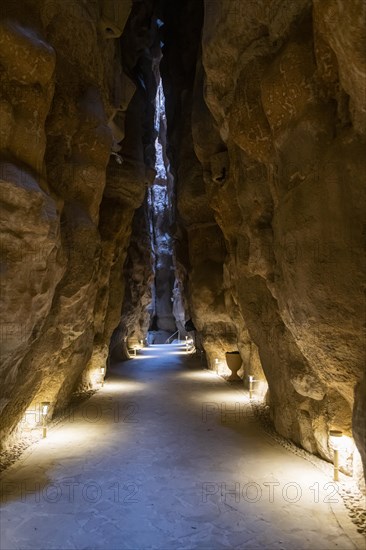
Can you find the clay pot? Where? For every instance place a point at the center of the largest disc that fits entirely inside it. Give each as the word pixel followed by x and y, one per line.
pixel 234 362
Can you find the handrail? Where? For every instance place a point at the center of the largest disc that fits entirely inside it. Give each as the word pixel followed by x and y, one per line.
pixel 176 332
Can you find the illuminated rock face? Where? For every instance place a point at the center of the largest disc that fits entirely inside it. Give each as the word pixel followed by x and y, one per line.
pixel 268 129
pixel 266 138
pixel 75 134
pixel 139 275
pixel 160 199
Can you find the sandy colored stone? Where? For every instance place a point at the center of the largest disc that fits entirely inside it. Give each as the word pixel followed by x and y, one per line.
pixel 265 138
pixel 64 240
pixel 288 201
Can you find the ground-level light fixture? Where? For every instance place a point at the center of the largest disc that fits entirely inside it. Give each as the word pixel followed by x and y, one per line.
pixel 45 405
pixel 102 372
pixel 189 344
pixel 335 437
pixel 251 380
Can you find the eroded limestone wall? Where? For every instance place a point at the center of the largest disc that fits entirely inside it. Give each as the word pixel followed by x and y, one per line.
pixel 266 137
pixel 268 132
pixel 75 160
pixel 139 276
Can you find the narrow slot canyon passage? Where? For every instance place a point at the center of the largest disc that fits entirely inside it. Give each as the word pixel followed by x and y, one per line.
pixel 161 216
pixel 182 274
pixel 168 455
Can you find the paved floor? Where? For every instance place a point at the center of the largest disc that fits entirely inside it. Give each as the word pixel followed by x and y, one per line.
pixel 167 456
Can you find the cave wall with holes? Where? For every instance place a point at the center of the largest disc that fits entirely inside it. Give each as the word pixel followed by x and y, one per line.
pixel 76 156
pixel 266 120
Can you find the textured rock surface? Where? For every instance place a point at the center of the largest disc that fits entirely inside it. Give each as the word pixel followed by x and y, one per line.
pixel 267 135
pixel 265 103
pixel 162 213
pixel 75 162
pixel 139 277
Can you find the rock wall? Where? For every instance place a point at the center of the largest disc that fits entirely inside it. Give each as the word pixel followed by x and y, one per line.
pixel 75 159
pixel 267 128
pixel 139 275
pixel 162 214
pixel 265 104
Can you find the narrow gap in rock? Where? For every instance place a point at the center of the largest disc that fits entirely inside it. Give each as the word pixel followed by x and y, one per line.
pixel 161 218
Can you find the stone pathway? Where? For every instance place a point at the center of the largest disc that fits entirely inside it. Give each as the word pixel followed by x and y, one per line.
pixel 168 456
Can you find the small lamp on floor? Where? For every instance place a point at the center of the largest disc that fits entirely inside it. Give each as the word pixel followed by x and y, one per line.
pixel 102 372
pixel 45 407
pixel 251 380
pixel 335 437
